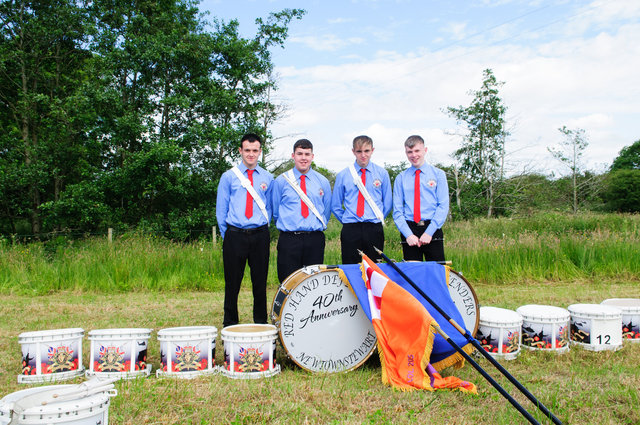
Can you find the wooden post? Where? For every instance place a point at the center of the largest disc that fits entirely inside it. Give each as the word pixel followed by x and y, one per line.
pixel 110 235
pixel 213 235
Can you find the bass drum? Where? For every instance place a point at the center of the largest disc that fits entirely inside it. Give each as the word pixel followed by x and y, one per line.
pixel 320 322
pixel 465 300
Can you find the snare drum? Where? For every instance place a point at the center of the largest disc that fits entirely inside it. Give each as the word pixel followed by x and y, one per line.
pixel 545 327
pixel 52 355
pixel 187 351
pixel 119 353
pixel 630 316
pixel 320 322
pixel 596 327
pixel 249 351
pixel 499 332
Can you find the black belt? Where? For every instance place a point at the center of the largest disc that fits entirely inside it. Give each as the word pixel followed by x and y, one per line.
pixel 362 223
pixel 307 232
pixel 247 231
pixel 421 223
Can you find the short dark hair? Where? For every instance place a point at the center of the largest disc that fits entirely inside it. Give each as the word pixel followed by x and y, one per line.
pixel 251 138
pixel 302 144
pixel 412 141
pixel 362 140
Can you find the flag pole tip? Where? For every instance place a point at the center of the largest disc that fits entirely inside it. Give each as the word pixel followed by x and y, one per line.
pixel 377 250
pixel 361 253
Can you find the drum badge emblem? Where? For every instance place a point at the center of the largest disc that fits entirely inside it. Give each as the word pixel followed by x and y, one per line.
pixel 111 359
pixel 250 360
pixel 432 183
pixel 187 358
pixel 263 186
pixel 321 192
pixel 377 183
pixel 60 359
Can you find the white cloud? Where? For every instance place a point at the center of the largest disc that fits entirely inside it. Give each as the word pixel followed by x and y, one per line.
pixel 326 42
pixel 585 82
pixel 335 21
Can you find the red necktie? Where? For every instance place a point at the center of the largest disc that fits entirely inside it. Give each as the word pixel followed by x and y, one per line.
pixel 360 207
pixel 303 207
pixel 249 208
pixel 416 198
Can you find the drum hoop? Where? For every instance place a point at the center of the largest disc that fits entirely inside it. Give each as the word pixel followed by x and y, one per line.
pixel 287 287
pixel 475 299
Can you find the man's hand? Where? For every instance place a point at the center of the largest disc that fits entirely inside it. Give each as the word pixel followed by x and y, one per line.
pixel 413 240
pixel 425 239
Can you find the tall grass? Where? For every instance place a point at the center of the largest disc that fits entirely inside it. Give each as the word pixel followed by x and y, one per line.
pixel 545 247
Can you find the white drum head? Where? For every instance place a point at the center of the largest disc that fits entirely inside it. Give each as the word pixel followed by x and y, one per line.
pixel 465 300
pixel 320 322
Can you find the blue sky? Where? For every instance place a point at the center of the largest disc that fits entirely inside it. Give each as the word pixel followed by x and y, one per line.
pixel 387 68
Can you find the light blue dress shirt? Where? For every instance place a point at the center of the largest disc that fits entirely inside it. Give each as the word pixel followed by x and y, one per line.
pixel 286 203
pixel 434 198
pixel 344 201
pixel 231 200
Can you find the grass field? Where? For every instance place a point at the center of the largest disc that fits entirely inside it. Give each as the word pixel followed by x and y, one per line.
pixel 147 282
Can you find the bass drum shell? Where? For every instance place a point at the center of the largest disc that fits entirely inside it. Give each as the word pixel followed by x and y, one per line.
pixel 320 322
pixel 465 300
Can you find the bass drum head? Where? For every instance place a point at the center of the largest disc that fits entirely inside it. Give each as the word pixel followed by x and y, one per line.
pixel 320 322
pixel 465 300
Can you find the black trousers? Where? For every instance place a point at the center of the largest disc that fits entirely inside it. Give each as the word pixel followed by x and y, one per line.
pixel 297 250
pixel 434 251
pixel 361 236
pixel 239 247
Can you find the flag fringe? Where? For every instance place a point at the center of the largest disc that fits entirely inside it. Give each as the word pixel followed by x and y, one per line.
pixel 456 360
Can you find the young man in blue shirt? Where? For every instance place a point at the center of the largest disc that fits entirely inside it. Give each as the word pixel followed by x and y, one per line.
pixel 301 221
pixel 420 205
pixel 243 212
pixel 361 199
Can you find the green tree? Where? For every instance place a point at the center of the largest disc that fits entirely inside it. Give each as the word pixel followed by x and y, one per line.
pixel 570 155
pixel 623 190
pixel 628 158
pixel 481 154
pixel 44 144
pixel 120 113
pixel 395 169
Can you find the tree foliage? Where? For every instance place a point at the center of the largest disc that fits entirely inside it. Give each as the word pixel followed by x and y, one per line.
pixel 570 155
pixel 117 113
pixel 482 150
pixel 623 191
pixel 628 158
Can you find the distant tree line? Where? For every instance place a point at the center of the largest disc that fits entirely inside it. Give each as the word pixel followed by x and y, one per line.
pixel 480 186
pixel 122 114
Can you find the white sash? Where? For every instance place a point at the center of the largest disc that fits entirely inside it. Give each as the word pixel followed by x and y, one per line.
pixel 247 185
pixel 291 179
pixel 365 193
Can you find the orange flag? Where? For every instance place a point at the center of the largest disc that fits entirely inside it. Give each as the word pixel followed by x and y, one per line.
pixel 405 332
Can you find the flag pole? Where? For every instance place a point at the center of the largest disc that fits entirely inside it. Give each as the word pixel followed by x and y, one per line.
pixel 474 342
pixel 486 376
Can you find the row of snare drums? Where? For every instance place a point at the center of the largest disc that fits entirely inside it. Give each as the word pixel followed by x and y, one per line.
pixel 185 352
pixel 594 327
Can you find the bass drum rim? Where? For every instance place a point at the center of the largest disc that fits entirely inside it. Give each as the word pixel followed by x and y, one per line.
pixel 475 300
pixel 279 300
